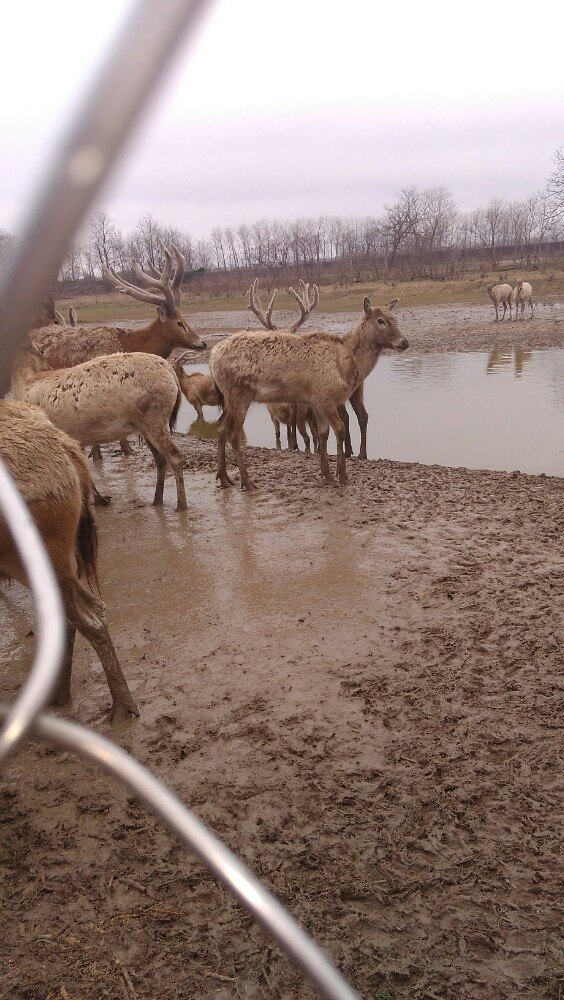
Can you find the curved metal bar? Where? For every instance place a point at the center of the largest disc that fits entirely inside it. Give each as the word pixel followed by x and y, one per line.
pixel 209 849
pixel 148 43
pixel 51 628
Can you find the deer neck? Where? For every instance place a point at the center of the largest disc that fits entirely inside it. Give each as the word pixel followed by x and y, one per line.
pixel 148 339
pixel 24 374
pixel 361 347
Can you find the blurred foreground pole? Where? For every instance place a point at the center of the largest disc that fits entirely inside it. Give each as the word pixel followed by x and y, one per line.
pixel 150 39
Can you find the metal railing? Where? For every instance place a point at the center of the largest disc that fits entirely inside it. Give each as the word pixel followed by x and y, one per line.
pixel 151 38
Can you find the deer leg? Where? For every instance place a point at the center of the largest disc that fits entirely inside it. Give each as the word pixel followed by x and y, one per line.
pixel 95 453
pixel 344 416
pixel 86 613
pixel 302 427
pixel 237 419
pixel 323 430
pixel 293 439
pixel 496 313
pixel 125 446
pixel 198 408
pixel 62 692
pixel 100 499
pixel 315 436
pixel 357 402
pixel 160 462
pixel 339 430
pixel 277 433
pixel 221 474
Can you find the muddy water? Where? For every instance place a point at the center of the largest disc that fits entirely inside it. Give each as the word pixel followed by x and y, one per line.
pixel 499 410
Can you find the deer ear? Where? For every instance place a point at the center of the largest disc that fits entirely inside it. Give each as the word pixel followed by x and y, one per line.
pixel 392 304
pixel 161 313
pixel 367 307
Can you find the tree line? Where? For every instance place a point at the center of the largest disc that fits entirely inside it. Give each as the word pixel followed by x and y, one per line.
pixel 420 234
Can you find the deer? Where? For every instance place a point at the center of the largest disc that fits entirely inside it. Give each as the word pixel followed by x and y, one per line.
pixel 522 296
pixel 108 398
pixel 68 346
pixel 299 417
pixel 51 473
pixel 317 369
pixel 501 295
pixel 198 388
pixel 306 305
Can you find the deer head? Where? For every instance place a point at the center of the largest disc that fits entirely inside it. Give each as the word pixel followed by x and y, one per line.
pixel 381 326
pixel 163 289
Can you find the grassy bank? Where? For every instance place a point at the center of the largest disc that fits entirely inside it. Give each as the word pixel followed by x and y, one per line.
pixel 548 286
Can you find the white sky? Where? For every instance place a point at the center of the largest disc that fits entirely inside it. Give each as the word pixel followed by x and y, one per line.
pixel 300 108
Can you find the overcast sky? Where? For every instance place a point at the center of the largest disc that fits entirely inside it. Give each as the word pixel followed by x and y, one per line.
pixel 302 108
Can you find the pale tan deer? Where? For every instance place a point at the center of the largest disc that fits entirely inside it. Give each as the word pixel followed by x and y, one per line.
pixel 198 388
pixel 72 345
pixel 51 474
pixel 107 398
pixel 307 304
pixel 318 369
pixel 294 418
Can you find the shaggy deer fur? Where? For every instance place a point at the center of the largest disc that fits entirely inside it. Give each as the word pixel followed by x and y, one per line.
pixel 501 295
pixel 50 472
pixel 66 347
pixel 522 296
pixel 294 417
pixel 106 399
pixel 319 369
pixel 198 388
pixel 307 304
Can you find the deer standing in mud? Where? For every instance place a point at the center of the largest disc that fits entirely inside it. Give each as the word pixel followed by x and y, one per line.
pixel 66 346
pixel 50 471
pixel 318 369
pixel 108 398
pixel 307 304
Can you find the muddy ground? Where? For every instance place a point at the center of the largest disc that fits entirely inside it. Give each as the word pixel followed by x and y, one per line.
pixel 357 688
pixel 429 328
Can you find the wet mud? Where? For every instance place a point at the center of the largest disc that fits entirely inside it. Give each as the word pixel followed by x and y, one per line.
pixel 357 688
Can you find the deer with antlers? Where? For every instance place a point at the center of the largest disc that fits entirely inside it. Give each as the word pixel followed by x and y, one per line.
pixel 66 346
pixel 317 369
pixel 356 399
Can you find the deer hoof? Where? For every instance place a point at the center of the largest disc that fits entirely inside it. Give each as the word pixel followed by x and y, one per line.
pixel 121 710
pixel 101 500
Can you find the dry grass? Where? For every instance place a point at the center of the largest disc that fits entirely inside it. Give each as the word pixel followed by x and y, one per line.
pixel 548 285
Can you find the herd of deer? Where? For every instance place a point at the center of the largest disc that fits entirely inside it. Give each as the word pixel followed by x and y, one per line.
pixel 75 387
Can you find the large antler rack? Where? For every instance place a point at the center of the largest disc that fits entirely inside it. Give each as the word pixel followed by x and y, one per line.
pixel 166 284
pixel 306 304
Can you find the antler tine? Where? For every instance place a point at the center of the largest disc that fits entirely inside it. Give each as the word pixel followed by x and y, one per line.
pixel 167 269
pixel 121 285
pixel 256 307
pixel 306 304
pixel 178 274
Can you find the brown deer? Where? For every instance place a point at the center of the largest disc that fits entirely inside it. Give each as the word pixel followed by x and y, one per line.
pixel 198 388
pixel 107 398
pixel 294 417
pixel 51 473
pixel 356 400
pixel 318 369
pixel 71 345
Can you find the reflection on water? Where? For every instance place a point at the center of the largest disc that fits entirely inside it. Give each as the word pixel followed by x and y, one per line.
pixel 502 410
pixel 500 357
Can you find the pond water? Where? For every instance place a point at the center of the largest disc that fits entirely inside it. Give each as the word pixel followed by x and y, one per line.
pixel 503 410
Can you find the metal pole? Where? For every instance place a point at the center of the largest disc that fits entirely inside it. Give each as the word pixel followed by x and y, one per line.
pixel 209 849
